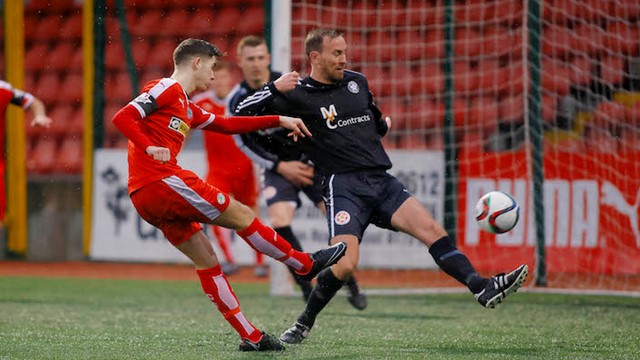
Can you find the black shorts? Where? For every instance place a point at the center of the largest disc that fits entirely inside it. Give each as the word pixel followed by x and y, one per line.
pixel 276 188
pixel 355 200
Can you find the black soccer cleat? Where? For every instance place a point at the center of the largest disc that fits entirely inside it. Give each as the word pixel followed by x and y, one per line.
pixel 324 258
pixel 295 334
pixel 266 343
pixel 500 286
pixel 358 300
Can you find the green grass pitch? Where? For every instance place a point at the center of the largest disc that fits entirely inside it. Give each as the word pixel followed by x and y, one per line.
pixel 44 318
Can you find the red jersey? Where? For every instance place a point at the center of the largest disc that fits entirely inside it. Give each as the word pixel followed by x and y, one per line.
pixel 223 155
pixel 9 95
pixel 162 116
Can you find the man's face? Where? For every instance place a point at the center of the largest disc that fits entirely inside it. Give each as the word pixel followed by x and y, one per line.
pixel 203 71
pixel 222 83
pixel 254 62
pixel 333 58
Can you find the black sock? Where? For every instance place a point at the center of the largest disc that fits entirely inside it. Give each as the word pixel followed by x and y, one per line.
pixel 286 233
pixel 453 262
pixel 326 288
pixel 352 285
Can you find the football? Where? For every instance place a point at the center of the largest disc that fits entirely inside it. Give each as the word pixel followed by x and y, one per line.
pixel 497 212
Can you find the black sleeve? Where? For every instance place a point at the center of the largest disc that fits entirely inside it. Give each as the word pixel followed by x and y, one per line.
pixel 259 102
pixel 248 144
pixel 381 125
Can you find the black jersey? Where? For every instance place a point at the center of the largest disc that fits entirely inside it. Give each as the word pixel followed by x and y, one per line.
pixel 345 123
pixel 264 147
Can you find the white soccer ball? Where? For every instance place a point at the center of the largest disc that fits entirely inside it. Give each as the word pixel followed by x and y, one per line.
pixel 497 212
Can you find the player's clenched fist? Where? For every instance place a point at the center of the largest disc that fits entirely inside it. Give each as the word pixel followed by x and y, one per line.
pixel 159 153
pixel 287 82
pixel 297 127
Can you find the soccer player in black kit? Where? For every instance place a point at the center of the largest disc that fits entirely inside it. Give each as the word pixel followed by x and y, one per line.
pixel 338 108
pixel 285 171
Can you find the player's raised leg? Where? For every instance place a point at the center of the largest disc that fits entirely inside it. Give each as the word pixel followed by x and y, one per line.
pixel 414 219
pixel 215 285
pixel 264 239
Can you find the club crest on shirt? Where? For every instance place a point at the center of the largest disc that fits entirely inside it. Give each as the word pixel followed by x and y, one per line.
pixel 178 125
pixel 342 218
pixel 221 199
pixel 353 87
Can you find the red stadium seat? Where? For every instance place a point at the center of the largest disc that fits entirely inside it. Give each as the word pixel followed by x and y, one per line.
pixel 555 77
pixel 410 45
pixel 515 79
pixel 47 28
pixel 229 19
pixel 360 14
pixel 561 11
pixel 608 112
pixel 465 79
pixel 424 115
pixel 72 28
pixel 435 141
pixel 202 22
pixel 581 70
pixel 380 46
pixel 114 58
pixel 556 41
pixel 400 80
pixel 37 57
pixel 430 79
pixel 253 22
pixel 612 70
pixel 357 49
pixel 375 75
pixel 60 117
pixel 507 12
pixel 148 25
pixel 49 6
pixel 495 42
pixel 60 55
pixel 396 110
pixel 628 9
pixel 176 23
pixel 467 43
pixel 491 77
pixel 41 158
pixel 117 88
pixel 588 39
pixel 622 38
pixel 594 10
pixel 69 156
pixel 484 113
pixel 573 145
pixel 434 45
pixel 48 88
pixel 629 140
pixel 549 108
pixel 421 14
pixel 141 50
pixel 160 56
pixel 71 88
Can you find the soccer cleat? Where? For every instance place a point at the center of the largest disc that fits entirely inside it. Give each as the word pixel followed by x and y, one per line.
pixel 358 300
pixel 500 286
pixel 295 334
pixel 324 258
pixel 266 343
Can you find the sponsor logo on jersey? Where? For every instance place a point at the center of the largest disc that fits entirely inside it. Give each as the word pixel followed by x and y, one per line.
pixel 143 98
pixel 329 115
pixel 342 218
pixel 179 126
pixel 353 87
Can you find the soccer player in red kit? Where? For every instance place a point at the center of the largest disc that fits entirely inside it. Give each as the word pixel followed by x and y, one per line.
pixel 10 95
pixel 229 169
pixel 176 201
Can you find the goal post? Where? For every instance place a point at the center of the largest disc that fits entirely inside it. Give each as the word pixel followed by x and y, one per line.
pixel 544 104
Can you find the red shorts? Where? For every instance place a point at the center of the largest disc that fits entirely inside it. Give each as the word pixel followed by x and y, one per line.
pixel 178 204
pixel 241 185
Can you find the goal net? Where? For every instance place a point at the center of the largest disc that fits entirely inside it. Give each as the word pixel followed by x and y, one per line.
pixel 587 100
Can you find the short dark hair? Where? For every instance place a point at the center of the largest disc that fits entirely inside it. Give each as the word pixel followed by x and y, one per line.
pixel 250 41
pixel 194 47
pixel 314 39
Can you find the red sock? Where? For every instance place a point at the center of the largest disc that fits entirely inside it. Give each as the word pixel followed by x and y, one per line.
pixel 223 243
pixel 266 240
pixel 259 258
pixel 218 290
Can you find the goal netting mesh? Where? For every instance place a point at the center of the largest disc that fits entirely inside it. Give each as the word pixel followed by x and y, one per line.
pixel 590 114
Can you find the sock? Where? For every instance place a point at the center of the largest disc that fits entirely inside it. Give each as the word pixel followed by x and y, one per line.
pixel 287 233
pixel 223 243
pixel 260 259
pixel 264 239
pixel 218 290
pixel 453 262
pixel 352 285
pixel 326 288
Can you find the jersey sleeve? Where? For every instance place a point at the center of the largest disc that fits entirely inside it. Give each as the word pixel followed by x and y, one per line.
pixel 259 102
pixel 22 99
